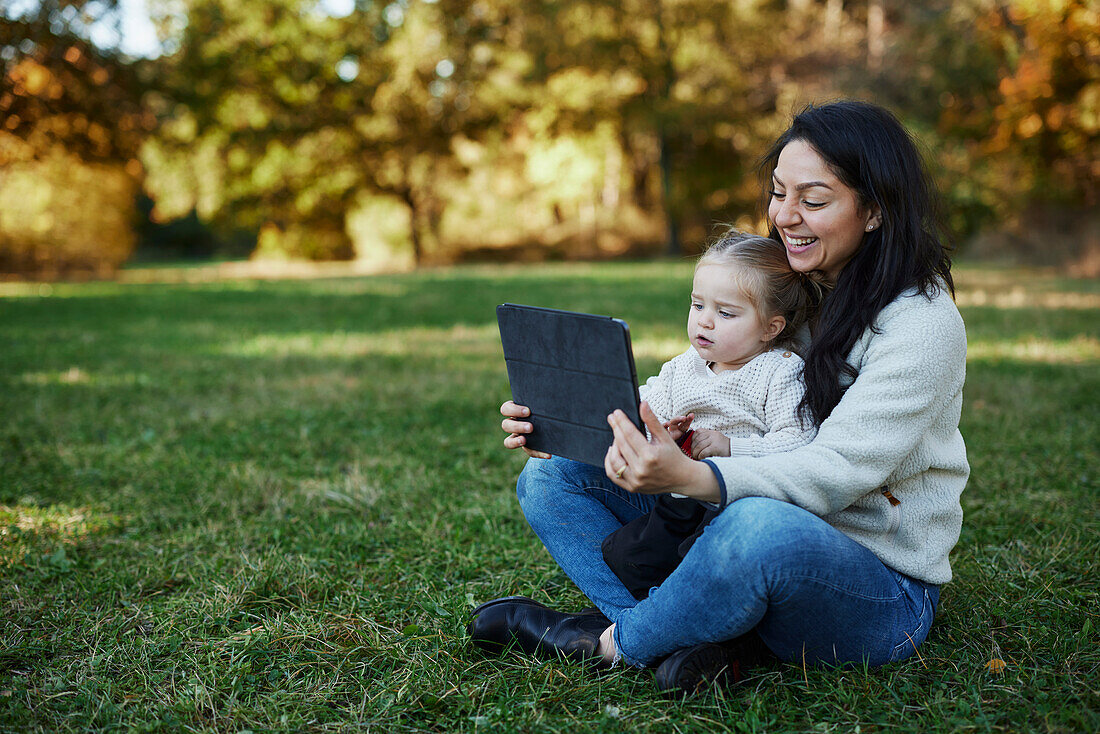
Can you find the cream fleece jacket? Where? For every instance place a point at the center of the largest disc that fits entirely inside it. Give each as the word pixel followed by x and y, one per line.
pixel 895 429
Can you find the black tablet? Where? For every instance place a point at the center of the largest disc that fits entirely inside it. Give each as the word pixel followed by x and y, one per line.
pixel 572 370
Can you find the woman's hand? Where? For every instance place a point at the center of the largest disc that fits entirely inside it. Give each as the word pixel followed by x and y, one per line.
pixel 517 428
pixel 656 465
pixel 679 425
pixel 705 442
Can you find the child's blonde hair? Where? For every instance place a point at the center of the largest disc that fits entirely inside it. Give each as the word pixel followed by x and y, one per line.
pixel 766 279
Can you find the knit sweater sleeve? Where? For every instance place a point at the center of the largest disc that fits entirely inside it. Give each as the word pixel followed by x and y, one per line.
pixel 910 366
pixel 657 390
pixel 780 409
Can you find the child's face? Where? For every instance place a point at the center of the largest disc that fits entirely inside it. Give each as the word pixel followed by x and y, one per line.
pixel 722 324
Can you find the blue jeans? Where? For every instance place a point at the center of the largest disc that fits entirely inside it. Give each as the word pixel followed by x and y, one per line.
pixel 811 592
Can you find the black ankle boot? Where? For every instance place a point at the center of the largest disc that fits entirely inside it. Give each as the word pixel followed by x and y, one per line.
pixel 689 670
pixel 536 629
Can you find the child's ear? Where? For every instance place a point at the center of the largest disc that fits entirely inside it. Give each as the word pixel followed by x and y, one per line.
pixel 773 328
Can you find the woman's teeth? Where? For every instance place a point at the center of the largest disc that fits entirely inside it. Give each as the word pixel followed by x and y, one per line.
pixel 800 241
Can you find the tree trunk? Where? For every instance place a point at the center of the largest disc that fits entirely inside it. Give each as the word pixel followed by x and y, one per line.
pixel 414 225
pixel 640 162
pixel 673 229
pixel 612 172
pixel 876 34
pixel 834 15
pixel 664 155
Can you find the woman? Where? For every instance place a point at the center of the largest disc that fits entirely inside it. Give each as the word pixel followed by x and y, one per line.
pixel 834 552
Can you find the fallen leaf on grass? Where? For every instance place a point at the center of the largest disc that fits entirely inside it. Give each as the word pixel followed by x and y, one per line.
pixel 996 666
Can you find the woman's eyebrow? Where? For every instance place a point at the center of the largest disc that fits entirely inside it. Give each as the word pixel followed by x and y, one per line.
pixel 802 186
pixel 812 184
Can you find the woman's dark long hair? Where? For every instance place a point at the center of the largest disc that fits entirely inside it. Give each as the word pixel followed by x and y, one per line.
pixel 873 154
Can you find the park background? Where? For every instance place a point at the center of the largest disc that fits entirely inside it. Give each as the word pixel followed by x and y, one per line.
pixel 422 132
pixel 250 473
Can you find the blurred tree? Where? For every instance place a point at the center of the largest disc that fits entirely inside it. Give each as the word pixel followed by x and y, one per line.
pixel 690 98
pixel 66 104
pixel 60 89
pixel 280 115
pixel 447 71
pixel 1047 109
pixel 1009 94
pixel 549 120
pixel 246 138
pixel 284 115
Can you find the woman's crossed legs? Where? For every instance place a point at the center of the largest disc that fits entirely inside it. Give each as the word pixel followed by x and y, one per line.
pixel 811 592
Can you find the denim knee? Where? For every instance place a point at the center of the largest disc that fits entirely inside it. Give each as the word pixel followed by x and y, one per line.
pixel 751 531
pixel 538 480
pixel 552 486
pixel 556 474
pixel 543 479
pixel 523 480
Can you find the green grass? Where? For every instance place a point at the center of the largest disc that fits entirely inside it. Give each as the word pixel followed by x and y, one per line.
pixel 248 505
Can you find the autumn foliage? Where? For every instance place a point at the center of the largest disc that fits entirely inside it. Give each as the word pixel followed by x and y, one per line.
pixel 434 130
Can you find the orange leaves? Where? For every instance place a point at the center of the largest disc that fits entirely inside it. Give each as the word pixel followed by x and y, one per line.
pixel 30 78
pixel 73 55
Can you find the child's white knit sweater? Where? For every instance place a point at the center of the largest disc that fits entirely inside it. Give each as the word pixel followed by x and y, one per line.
pixel 756 406
pixel 896 428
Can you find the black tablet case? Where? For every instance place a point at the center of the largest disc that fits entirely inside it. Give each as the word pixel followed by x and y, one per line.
pixel 572 370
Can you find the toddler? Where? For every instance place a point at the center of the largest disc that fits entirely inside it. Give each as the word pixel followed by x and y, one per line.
pixel 736 391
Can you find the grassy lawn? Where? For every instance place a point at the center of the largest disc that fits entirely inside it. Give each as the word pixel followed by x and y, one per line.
pixel 249 505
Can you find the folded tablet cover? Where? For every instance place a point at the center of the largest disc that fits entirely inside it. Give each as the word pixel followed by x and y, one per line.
pixel 572 370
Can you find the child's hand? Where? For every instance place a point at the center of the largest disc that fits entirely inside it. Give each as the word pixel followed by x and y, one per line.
pixel 679 425
pixel 705 442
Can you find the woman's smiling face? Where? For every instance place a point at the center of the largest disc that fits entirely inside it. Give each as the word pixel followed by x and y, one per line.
pixel 819 218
